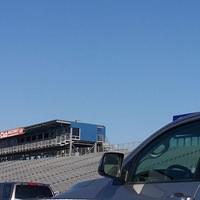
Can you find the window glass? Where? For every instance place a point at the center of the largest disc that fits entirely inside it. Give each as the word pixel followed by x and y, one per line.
pixel 52 135
pixel 32 191
pixel 75 132
pixel 39 136
pixel 100 130
pixel 46 135
pixel 22 140
pixel 33 137
pixel 67 129
pixel 174 156
pixel 28 139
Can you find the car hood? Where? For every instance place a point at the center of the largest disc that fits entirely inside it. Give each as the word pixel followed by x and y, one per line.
pixel 91 189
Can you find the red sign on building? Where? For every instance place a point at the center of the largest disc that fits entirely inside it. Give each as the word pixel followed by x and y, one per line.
pixel 11 133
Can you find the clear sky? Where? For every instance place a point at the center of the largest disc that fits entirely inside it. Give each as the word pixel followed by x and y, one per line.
pixel 130 65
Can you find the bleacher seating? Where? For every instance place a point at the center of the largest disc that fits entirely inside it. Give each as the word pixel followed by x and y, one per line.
pixel 60 172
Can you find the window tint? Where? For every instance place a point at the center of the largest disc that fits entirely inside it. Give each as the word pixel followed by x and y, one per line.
pixel 32 191
pixel 173 156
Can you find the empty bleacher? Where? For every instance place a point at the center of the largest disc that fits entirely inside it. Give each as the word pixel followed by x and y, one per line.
pixel 60 172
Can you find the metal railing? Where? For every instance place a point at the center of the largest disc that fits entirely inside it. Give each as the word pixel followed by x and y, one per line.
pixel 125 147
pixel 32 146
pixel 59 141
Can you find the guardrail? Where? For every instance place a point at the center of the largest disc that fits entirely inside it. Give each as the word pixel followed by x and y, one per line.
pixel 32 146
pixel 125 147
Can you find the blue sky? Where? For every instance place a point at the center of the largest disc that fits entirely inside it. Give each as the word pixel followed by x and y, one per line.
pixel 130 65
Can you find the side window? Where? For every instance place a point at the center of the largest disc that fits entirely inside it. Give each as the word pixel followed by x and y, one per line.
pixel 174 156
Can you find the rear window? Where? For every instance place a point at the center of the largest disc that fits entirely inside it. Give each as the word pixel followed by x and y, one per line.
pixel 32 191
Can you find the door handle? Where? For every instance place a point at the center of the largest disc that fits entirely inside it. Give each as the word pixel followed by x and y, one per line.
pixel 180 196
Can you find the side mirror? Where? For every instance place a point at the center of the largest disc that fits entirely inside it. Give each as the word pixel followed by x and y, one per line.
pixel 111 164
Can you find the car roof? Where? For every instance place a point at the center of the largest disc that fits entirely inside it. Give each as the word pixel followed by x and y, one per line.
pixel 25 183
pixel 181 117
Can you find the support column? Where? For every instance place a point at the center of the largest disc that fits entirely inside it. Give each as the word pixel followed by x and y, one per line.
pixel 70 143
pixel 95 147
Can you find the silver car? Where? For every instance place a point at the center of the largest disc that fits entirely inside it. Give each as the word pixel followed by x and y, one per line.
pixel 164 167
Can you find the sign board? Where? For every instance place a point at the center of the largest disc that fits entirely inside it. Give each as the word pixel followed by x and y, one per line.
pixel 11 133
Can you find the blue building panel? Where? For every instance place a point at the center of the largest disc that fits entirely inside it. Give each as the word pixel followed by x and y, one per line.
pixel 89 132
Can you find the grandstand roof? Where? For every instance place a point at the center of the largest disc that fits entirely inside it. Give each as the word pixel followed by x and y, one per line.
pixel 48 123
pixel 22 130
pixel 53 123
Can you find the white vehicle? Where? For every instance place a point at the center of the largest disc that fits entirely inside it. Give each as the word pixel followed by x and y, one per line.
pixel 24 190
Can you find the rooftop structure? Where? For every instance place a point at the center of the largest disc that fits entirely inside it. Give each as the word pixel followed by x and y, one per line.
pixel 51 138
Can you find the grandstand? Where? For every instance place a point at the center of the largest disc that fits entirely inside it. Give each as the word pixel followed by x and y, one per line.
pixel 60 172
pixel 58 152
pixel 50 139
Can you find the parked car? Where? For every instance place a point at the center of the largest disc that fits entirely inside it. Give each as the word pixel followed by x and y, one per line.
pixel 165 166
pixel 24 190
